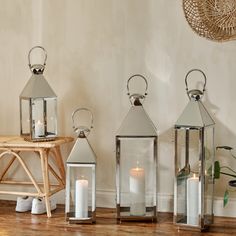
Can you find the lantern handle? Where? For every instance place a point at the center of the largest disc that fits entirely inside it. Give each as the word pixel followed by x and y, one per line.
pixel 45 57
pixel 82 131
pixel 137 96
pixel 195 92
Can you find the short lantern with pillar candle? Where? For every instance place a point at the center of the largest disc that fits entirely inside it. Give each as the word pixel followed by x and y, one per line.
pixel 38 105
pixel 136 162
pixel 81 176
pixel 194 163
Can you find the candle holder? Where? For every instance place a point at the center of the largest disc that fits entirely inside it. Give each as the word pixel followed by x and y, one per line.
pixel 136 162
pixel 38 105
pixel 81 176
pixel 194 163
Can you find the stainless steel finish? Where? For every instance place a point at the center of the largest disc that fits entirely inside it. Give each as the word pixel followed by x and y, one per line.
pixel 194 120
pixel 135 127
pixel 37 87
pixel 80 158
pixel 33 48
pixel 195 115
pixel 80 129
pixel 195 92
pixel 37 90
pixel 137 99
pixel 137 123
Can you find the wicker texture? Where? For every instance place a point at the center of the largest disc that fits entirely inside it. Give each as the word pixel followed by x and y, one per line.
pixel 212 19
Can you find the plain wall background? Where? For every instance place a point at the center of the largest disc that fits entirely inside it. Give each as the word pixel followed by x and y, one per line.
pixel 93 47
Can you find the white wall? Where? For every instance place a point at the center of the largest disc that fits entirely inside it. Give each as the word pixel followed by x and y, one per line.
pixel 93 47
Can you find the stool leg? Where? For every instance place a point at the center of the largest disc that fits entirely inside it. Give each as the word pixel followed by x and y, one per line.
pixel 44 164
pixel 60 163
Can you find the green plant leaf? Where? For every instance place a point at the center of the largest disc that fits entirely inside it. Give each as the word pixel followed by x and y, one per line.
pixel 217 170
pixel 226 197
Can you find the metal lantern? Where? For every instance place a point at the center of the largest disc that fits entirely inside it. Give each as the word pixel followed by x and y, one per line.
pixel 38 105
pixel 194 163
pixel 81 177
pixel 136 162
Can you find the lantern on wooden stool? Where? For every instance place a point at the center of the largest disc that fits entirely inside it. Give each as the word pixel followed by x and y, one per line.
pixel 38 105
pixel 194 163
pixel 136 162
pixel 81 177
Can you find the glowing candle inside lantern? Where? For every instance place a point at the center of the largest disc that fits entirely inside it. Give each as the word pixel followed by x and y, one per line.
pixel 81 198
pixel 39 129
pixel 193 200
pixel 137 191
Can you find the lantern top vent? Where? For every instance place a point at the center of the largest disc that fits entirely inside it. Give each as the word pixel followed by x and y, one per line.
pixel 37 86
pixel 82 152
pixel 195 115
pixel 137 122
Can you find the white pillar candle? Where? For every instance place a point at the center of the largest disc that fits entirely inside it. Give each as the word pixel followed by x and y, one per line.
pixel 193 200
pixel 137 191
pixel 81 198
pixel 39 129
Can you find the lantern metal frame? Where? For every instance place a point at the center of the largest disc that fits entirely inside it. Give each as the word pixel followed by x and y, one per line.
pixel 81 156
pixel 195 118
pixel 132 129
pixel 38 99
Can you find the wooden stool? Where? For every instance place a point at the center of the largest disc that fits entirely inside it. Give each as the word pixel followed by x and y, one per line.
pixel 12 146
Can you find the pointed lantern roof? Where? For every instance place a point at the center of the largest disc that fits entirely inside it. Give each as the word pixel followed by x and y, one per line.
pixel 194 115
pixel 81 153
pixel 37 87
pixel 137 123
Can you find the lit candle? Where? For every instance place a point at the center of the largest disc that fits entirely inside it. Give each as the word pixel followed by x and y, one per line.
pixel 81 198
pixel 39 129
pixel 193 200
pixel 137 191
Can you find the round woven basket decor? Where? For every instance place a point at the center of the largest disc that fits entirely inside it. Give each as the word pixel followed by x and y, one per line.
pixel 212 19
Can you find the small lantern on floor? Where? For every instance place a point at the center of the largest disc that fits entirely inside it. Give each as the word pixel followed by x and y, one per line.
pixel 81 177
pixel 38 105
pixel 136 162
pixel 194 163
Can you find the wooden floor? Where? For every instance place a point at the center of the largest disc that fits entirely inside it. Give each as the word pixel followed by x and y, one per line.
pixel 12 223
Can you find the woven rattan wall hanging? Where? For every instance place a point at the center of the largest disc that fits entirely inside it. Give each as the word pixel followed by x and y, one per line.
pixel 212 19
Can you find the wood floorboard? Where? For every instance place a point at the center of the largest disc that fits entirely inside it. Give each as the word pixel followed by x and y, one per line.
pixel 26 224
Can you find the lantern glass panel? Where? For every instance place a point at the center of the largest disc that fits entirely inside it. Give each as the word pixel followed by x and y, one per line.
pixel 81 191
pixel 38 117
pixel 187 165
pixel 25 116
pixel 44 117
pixel 137 177
pixel 51 111
pixel 209 174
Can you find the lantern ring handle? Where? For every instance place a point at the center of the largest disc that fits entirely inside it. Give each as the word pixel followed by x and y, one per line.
pixel 137 75
pixel 45 55
pixel 82 129
pixel 204 76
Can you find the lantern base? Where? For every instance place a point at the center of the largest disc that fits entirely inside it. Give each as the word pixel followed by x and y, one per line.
pixel 29 139
pixel 192 228
pixel 181 224
pixel 123 214
pixel 70 217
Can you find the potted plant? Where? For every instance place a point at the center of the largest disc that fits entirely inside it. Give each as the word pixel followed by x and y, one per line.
pixel 228 171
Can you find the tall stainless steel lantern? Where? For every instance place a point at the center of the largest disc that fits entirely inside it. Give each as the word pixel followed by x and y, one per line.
pixel 194 162
pixel 81 176
pixel 136 161
pixel 38 105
